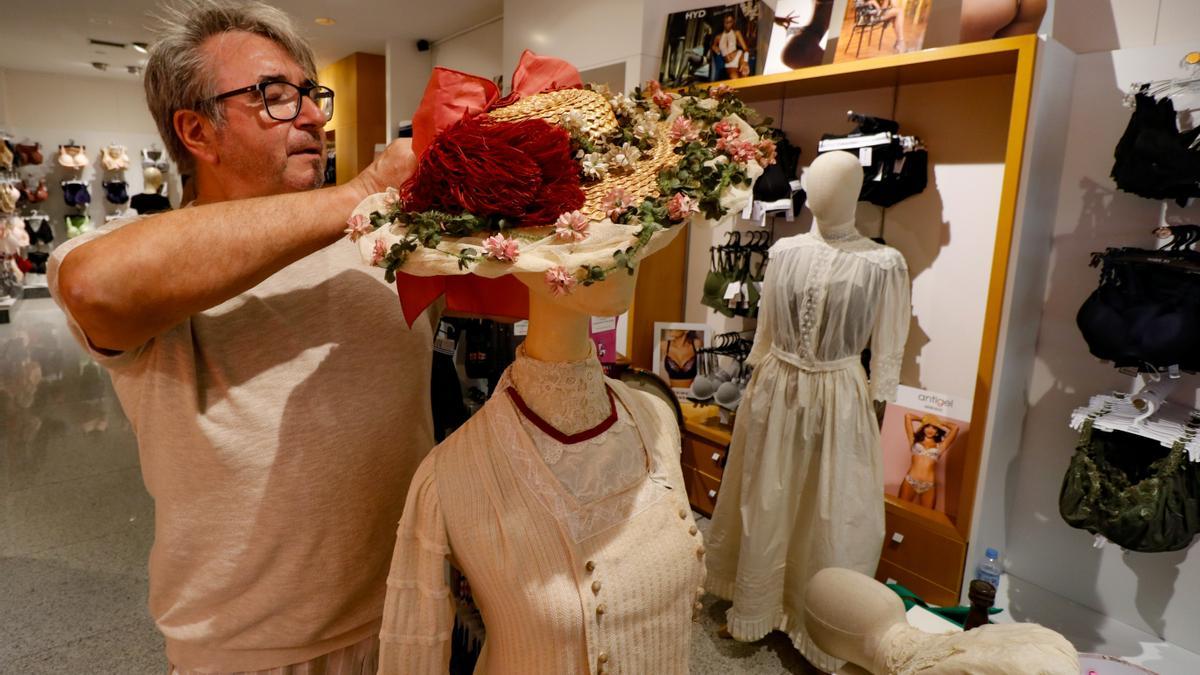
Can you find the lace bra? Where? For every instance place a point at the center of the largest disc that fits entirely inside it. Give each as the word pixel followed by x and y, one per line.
pixel 931 453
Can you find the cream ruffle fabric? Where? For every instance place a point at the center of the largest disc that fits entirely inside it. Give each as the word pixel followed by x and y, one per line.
pixel 997 649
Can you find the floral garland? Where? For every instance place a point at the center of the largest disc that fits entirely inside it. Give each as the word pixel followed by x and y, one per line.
pixel 712 158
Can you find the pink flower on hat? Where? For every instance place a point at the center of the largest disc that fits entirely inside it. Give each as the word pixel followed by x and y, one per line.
pixel 663 100
pixel 501 248
pixel 378 253
pixel 560 281
pixel 684 130
pixel 572 226
pixel 720 91
pixel 741 151
pixel 681 206
pixel 652 87
pixel 617 201
pixel 391 197
pixel 727 130
pixel 766 153
pixel 358 226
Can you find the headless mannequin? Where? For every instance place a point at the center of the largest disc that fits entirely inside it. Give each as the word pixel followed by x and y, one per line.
pixel 559 333
pixel 856 618
pixel 152 180
pixel 834 182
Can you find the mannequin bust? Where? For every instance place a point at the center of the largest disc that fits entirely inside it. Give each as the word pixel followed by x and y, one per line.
pixel 834 181
pixel 152 180
pixel 856 618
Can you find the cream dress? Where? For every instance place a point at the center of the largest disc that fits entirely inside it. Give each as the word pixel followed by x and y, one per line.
pixel 803 489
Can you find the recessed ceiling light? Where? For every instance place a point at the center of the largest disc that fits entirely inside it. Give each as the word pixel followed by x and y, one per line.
pixel 99 66
pixel 140 46
pixel 325 21
pixel 134 70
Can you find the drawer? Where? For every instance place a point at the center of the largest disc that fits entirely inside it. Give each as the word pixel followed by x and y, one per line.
pixel 910 544
pixel 930 592
pixel 702 490
pixel 705 456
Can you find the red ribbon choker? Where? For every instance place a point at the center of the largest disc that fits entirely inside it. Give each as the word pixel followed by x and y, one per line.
pixel 565 439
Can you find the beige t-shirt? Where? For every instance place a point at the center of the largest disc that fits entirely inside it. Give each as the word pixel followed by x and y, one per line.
pixel 278 433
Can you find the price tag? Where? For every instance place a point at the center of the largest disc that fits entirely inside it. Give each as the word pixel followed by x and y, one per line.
pixel 446 341
pixel 521 328
pixel 733 290
pixel 865 155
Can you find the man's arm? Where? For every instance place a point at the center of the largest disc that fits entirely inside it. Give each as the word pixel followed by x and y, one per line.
pixel 136 282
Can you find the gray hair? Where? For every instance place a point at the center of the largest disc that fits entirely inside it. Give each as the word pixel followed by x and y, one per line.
pixel 179 73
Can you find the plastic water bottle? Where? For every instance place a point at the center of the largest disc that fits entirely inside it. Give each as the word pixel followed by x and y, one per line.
pixel 989 570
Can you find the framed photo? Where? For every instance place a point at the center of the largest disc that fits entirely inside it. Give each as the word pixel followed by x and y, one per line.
pixel 882 27
pixel 711 44
pixel 676 353
pixel 924 438
pixel 799 35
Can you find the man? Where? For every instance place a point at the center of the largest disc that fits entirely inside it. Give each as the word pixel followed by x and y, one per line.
pixel 280 402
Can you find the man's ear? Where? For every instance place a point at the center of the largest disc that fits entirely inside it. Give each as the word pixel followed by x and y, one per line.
pixel 198 135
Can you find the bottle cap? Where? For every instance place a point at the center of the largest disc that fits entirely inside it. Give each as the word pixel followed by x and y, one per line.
pixel 992 553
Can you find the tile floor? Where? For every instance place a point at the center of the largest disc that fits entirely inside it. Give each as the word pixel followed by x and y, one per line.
pixel 76 524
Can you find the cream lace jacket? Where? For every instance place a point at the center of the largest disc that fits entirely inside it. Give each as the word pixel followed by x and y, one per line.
pixel 606 586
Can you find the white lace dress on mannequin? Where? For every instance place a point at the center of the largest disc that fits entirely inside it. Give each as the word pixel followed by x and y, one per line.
pixel 803 489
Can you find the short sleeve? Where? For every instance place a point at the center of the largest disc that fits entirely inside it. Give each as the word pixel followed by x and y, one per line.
pixel 418 611
pixel 890 332
pixel 106 358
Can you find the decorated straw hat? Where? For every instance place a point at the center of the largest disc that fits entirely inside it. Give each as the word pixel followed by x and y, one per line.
pixel 557 178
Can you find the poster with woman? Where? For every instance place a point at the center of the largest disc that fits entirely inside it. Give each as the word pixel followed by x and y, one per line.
pixel 923 436
pixel 711 44
pixel 799 35
pixel 676 353
pixel 873 28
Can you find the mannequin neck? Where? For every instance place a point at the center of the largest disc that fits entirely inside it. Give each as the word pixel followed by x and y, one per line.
pixel 557 372
pixel 837 231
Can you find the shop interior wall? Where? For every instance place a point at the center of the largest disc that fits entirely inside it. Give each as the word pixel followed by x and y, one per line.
pixel 479 51
pixel 53 108
pixel 1153 592
pixel 946 233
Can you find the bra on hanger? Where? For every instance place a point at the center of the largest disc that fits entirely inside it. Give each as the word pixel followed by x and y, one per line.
pixel 6 156
pixel 114 158
pixel 35 194
pixel 154 157
pixel 72 156
pixel 9 194
pixel 29 154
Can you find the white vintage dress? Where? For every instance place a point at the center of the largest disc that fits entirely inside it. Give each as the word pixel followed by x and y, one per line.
pixel 803 489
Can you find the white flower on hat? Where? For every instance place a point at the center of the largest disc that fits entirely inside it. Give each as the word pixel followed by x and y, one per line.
pixel 623 105
pixel 594 165
pixel 576 121
pixel 625 156
pixel 707 104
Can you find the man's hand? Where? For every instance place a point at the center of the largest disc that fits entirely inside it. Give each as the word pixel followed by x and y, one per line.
pixel 391 169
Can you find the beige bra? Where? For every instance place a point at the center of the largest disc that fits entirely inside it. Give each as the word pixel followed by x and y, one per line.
pixel 114 158
pixel 8 198
pixel 72 156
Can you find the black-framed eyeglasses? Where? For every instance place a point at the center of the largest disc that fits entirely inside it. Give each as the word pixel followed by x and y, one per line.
pixel 283 100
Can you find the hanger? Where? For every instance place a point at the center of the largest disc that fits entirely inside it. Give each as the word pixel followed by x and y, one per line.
pixel 1171 86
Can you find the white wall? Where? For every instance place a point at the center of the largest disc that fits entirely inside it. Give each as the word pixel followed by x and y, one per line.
pixel 407 72
pixel 52 109
pixel 479 51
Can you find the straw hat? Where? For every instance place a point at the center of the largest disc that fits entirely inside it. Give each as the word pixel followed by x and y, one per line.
pixel 557 179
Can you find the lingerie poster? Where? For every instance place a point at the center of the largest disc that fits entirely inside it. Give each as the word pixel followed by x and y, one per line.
pixel 677 353
pixel 924 438
pixel 712 44
pixel 873 28
pixel 799 35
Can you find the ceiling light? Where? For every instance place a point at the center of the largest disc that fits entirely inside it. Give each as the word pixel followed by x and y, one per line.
pixel 325 21
pixel 140 46
pixel 99 65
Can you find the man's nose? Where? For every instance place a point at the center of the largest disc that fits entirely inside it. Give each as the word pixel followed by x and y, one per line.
pixel 311 114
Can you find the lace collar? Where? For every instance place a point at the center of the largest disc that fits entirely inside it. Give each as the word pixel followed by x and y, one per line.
pixel 570 395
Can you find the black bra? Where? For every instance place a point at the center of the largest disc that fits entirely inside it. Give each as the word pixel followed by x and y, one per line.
pixel 1146 312
pixel 1153 158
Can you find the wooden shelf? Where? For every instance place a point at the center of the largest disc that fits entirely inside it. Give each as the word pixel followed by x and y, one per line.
pixel 976 59
pixel 705 422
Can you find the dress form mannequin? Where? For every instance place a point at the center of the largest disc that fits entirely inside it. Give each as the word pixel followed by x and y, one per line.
pixel 856 618
pixel 834 182
pixel 807 494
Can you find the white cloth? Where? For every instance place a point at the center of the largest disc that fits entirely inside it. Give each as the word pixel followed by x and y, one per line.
pixel 803 489
pixel 562 393
pixel 995 649
pixel 563 587
pixel 728 47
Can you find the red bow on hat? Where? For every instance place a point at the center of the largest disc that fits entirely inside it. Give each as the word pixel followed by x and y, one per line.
pixel 449 97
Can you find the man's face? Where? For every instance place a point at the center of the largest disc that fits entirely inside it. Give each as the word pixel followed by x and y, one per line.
pixel 263 155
